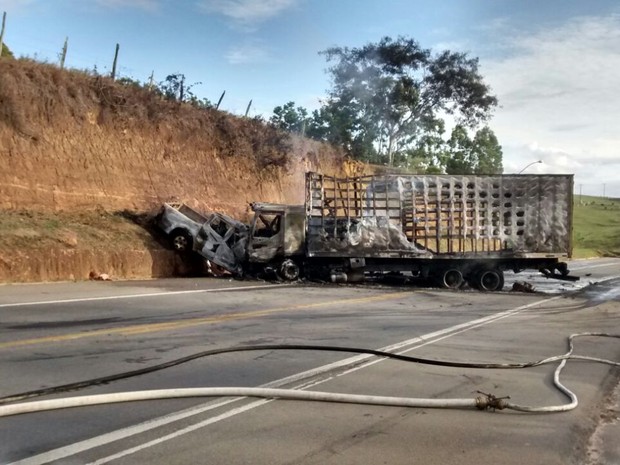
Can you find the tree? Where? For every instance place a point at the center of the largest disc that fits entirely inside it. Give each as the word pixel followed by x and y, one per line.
pixel 480 155
pixel 429 153
pixel 6 52
pixel 289 118
pixel 487 152
pixel 339 125
pixel 393 89
pixel 459 157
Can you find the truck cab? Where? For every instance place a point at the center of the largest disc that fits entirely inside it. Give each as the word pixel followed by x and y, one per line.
pixel 277 238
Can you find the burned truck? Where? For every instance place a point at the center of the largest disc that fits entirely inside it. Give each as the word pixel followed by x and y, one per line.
pixel 273 241
pixel 450 229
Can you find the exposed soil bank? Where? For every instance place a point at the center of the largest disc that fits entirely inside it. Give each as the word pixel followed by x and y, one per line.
pixel 71 143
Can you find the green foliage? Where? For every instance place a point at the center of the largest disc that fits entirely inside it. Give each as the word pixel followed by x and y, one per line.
pixel 460 154
pixel 596 227
pixel 459 159
pixel 390 92
pixel 480 155
pixel 289 118
pixel 129 82
pixel 487 152
pixel 203 103
pixel 174 88
pixel 6 52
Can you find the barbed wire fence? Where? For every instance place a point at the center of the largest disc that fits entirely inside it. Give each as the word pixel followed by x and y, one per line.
pixel 92 65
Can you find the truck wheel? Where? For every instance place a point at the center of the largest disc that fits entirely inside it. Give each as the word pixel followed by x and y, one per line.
pixel 490 280
pixel 181 241
pixel 451 278
pixel 289 270
pixel 562 268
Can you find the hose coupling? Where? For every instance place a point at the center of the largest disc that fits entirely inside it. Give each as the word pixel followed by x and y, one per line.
pixel 491 402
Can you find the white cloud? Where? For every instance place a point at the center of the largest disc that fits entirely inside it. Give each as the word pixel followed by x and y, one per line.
pixel 247 54
pixel 559 98
pixel 246 12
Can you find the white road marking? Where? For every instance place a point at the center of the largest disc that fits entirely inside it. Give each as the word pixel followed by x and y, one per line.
pixel 189 429
pixel 113 436
pixel 197 291
pixel 572 268
pixel 137 296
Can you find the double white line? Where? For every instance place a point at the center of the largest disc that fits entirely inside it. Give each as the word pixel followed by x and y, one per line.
pixel 348 365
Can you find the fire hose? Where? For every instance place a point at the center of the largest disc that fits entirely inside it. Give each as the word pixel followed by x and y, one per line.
pixel 483 401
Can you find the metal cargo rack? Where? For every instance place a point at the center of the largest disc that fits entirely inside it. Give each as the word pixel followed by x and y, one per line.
pixel 447 215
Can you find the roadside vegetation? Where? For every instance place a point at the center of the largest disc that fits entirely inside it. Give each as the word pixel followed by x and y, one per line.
pixel 596 227
pixel 392 103
pixel 92 230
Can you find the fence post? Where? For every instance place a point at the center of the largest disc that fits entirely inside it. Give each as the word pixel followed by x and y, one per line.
pixel 114 63
pixel 247 110
pixel 217 107
pixel 2 31
pixel 151 80
pixel 63 54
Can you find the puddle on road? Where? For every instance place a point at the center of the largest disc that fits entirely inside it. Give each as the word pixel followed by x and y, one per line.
pixel 600 288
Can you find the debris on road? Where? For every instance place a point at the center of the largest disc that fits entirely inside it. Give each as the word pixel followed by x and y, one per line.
pixel 523 286
pixel 94 276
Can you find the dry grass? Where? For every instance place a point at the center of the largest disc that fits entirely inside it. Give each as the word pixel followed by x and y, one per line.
pixel 43 94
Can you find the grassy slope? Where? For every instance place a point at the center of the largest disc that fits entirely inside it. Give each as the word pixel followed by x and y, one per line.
pixel 596 228
pixel 32 231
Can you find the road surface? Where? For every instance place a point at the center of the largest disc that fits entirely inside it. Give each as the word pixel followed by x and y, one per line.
pixel 52 334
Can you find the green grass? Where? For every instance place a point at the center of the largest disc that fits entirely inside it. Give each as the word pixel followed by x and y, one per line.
pixel 596 227
pixel 30 231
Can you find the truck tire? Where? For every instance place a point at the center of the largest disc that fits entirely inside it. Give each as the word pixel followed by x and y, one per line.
pixel 562 268
pixel 289 270
pixel 451 278
pixel 181 241
pixel 489 280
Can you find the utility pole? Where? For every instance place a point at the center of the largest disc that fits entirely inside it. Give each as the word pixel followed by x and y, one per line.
pixel 580 186
pixel 247 110
pixel 63 54
pixel 603 190
pixel 2 31
pixel 114 63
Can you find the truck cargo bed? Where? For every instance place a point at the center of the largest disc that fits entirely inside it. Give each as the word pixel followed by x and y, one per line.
pixel 426 216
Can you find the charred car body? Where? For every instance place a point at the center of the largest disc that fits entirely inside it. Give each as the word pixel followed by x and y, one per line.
pixel 448 228
pixel 274 239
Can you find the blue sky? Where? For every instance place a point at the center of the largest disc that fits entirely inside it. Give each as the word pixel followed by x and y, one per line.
pixel 554 64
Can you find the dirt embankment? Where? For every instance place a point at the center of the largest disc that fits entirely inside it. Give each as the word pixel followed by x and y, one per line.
pixel 76 149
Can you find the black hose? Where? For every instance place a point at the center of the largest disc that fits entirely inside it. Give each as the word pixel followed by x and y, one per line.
pixel 379 353
pixel 142 371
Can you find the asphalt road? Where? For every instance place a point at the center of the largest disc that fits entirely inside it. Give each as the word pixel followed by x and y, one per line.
pixel 52 334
